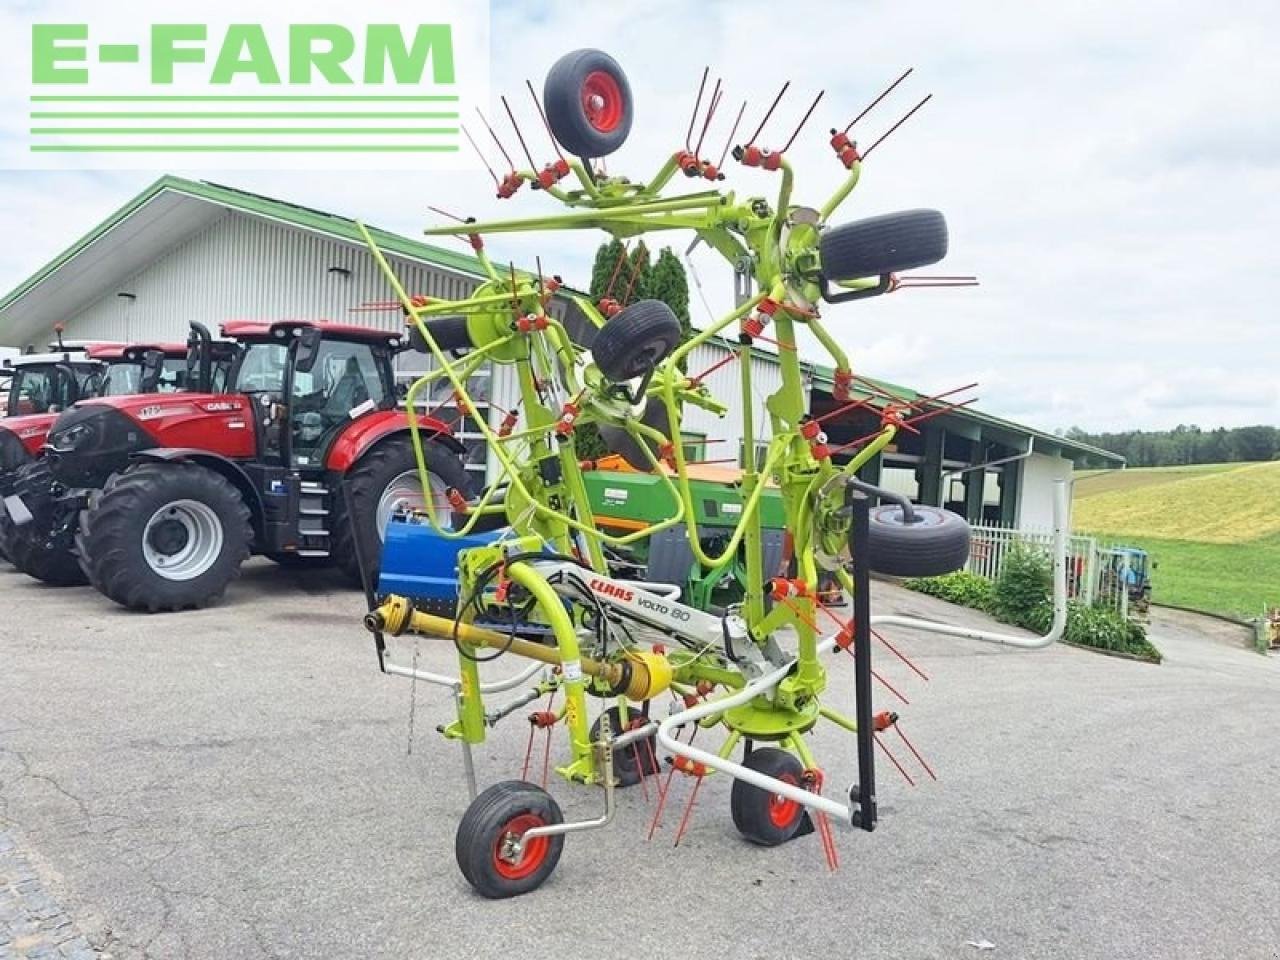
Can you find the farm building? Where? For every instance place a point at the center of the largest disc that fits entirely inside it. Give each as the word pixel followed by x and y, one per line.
pixel 185 250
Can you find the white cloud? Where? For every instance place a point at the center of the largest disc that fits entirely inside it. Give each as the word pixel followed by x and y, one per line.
pixel 1109 170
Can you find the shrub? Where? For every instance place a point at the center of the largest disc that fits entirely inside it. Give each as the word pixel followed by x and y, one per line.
pixel 1022 596
pixel 962 587
pixel 1025 583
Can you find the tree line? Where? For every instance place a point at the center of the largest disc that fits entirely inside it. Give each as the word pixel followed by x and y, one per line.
pixel 1186 444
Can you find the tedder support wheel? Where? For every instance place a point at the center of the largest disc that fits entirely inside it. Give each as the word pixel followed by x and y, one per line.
pixel 884 244
pixel 383 481
pixel 487 846
pixel 762 817
pixel 635 340
pixel 164 536
pixel 588 103
pixel 937 543
pixel 630 764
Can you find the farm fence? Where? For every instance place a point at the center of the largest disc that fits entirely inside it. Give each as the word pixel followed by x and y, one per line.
pixel 1096 573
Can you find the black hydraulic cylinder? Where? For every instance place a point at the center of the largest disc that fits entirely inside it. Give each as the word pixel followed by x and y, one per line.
pixel 862 796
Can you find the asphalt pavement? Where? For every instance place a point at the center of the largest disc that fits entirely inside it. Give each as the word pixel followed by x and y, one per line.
pixel 235 783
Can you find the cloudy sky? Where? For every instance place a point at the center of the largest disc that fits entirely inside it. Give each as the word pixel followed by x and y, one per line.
pixel 1111 171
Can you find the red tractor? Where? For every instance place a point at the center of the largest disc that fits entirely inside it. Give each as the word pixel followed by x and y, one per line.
pixel 41 386
pixel 159 500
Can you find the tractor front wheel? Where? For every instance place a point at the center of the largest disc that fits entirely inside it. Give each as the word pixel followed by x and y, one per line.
pixel 164 536
pixel 490 846
pixel 383 482
pixel 42 548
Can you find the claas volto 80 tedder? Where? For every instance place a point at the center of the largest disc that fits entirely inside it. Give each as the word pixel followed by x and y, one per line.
pixel 544 591
pixel 157 501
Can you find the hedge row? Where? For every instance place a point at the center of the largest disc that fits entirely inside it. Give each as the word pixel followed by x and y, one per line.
pixel 1022 596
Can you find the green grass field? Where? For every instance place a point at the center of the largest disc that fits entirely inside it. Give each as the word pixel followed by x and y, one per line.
pixel 1214 530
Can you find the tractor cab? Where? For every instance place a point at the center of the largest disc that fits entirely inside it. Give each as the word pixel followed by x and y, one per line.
pixel 308 381
pixel 47 382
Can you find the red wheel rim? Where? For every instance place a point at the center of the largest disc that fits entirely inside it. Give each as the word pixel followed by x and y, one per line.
pixel 602 101
pixel 535 850
pixel 783 812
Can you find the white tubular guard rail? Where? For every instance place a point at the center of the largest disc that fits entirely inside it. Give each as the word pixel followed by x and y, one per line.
pixel 762 685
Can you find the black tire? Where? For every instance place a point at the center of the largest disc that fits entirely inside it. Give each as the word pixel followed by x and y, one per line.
pixel 886 244
pixel 13 456
pixel 937 543
pixel 365 485
pixel 619 441
pixel 42 548
pixel 488 822
pixel 449 333
pixel 588 103
pixel 763 817
pixel 635 340
pixel 116 536
pixel 630 762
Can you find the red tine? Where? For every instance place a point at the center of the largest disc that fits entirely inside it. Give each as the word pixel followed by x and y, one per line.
pixel 697 105
pixel 545 122
pixel 803 120
pixel 888 90
pixel 510 163
pixel 519 136
pixel 476 148
pixel 729 142
pixel 716 95
pixel 769 113
pixel 884 136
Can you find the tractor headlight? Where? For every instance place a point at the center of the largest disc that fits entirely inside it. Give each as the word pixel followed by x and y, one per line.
pixel 74 437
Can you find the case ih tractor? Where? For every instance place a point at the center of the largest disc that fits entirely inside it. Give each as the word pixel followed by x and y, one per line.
pixel 158 500
pixel 41 386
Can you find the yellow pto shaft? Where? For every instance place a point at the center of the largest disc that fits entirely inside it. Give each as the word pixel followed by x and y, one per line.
pixel 641 676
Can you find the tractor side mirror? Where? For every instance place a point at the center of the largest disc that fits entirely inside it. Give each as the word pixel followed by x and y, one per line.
pixel 309 339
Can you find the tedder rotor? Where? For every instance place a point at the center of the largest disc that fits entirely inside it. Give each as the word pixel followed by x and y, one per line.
pixel 542 589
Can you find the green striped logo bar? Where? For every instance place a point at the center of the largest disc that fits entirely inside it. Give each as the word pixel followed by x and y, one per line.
pixel 371 91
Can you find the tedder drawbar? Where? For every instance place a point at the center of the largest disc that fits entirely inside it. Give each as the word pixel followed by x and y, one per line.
pixel 543 588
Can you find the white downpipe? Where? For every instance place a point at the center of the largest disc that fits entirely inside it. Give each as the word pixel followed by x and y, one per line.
pixel 1010 640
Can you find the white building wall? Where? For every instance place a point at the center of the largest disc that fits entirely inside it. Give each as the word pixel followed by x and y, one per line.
pixel 725 384
pixel 1035 500
pixel 247 268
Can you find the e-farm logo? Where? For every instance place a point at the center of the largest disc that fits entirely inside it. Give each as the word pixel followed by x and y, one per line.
pixel 376 91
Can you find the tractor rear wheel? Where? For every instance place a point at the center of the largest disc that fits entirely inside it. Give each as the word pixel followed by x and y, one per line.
pixel 382 482
pixel 164 536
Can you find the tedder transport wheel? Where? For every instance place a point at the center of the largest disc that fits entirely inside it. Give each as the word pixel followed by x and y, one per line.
pixel 762 817
pixel 635 340
pixel 383 481
pixel 937 543
pixel 485 844
pixel 588 103
pixel 42 548
pixel 631 763
pixel 884 244
pixel 164 536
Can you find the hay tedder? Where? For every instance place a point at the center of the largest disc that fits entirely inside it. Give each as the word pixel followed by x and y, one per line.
pixel 543 589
